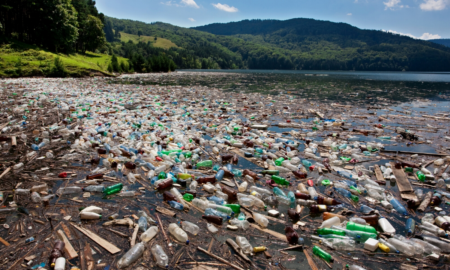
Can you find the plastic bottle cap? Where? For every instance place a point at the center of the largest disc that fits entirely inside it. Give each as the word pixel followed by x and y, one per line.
pixel 187 242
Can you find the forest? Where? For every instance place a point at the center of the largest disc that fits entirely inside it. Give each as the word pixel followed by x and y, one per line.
pixel 76 26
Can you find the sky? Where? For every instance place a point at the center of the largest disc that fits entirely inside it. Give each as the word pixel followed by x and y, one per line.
pixel 422 19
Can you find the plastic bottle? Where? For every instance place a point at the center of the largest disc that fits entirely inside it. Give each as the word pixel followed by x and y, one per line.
pixel 328 215
pixel 357 235
pixel 401 246
pixel 427 226
pixel 261 220
pixel 330 222
pixel 57 252
pixel 322 254
pixel 442 223
pixel 176 205
pixel 142 223
pixel 161 258
pixel 243 224
pixel 131 256
pixel 386 226
pixel 178 233
pixel 410 226
pixel 202 204
pixel 214 212
pixel 362 228
pixel 356 267
pixel 392 249
pixel 149 234
pixel 97 188
pixel 90 215
pixel 326 231
pixel 93 209
pixel 116 188
pixel 205 163
pixel 244 244
pixel 68 190
pixel 60 263
pixel 190 227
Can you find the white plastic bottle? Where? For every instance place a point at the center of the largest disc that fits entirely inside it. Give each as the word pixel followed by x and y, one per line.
pixel 244 244
pixel 178 233
pixel 60 263
pixel 386 226
pixel 90 215
pixel 149 234
pixel 330 222
pixel 161 258
pixel 261 220
pixel 93 209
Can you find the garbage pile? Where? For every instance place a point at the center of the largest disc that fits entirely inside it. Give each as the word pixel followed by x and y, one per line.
pixel 110 176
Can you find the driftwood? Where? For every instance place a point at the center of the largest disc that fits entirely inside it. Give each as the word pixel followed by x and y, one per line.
pixel 219 258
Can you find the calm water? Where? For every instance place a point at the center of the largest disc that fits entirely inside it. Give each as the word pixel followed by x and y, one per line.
pixel 366 75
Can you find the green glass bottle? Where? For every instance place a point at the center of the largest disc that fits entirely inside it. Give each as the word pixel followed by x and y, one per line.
pixel 421 176
pixel 280 180
pixel 162 175
pixel 235 207
pixel 205 163
pixel 322 254
pixel 113 189
pixel 279 161
pixel 362 228
pixel 271 172
pixel 188 197
pixel 325 231
pixel 409 169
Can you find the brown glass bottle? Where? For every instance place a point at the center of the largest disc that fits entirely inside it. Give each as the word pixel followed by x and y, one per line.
pixel 435 201
pixel 95 160
pixel 232 194
pixel 409 164
pixel 204 180
pixel 300 174
pixel 57 252
pixel 214 219
pixel 327 201
pixel 95 176
pixel 291 235
pixel 250 173
pixel 165 184
pixel 319 208
pixel 412 204
pixel 294 215
pixel 130 165
pixel 235 159
pixel 167 196
pixel 398 165
pixel 302 196
pixel 226 157
pixel 372 219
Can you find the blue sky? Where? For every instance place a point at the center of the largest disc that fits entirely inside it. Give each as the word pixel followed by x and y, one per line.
pixel 423 19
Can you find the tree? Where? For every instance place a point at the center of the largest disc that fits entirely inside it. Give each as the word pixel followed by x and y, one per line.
pixel 109 34
pixel 140 33
pixel 94 36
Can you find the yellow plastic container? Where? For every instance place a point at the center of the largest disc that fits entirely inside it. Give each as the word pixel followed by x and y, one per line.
pixel 383 247
pixel 259 249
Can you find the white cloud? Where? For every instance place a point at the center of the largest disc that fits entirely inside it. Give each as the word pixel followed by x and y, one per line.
pixel 225 7
pixel 424 36
pixel 393 4
pixel 349 14
pixel 427 36
pixel 191 19
pixel 430 5
pixel 190 3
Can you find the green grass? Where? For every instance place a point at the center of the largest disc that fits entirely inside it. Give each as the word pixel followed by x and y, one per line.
pixel 37 62
pixel 160 42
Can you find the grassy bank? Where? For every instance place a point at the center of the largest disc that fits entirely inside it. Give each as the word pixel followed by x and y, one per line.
pixel 23 60
pixel 159 42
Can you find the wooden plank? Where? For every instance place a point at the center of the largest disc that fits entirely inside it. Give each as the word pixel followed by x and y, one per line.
pixel 409 196
pixel 412 153
pixel 404 186
pixel 97 239
pixel 378 173
pixel 68 248
pixel 67 231
pixel 165 211
pixel 311 262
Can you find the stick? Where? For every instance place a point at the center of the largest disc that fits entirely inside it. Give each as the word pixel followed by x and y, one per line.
pixel 237 249
pixel 68 248
pixel 116 232
pixel 4 242
pixel 164 233
pixel 21 259
pixel 311 263
pixel 5 172
pixel 133 238
pixel 289 248
pixel 219 258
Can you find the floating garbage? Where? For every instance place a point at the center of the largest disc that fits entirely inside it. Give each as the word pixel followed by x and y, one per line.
pixel 131 176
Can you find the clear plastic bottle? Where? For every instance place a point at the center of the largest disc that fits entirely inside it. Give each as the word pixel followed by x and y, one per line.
pixel 243 224
pixel 261 220
pixel 402 247
pixel 143 223
pixel 149 234
pixel 178 233
pixel 244 244
pixel 35 197
pixel 21 191
pixel 161 258
pixel 97 188
pixel 131 256
pixel 190 227
pixel 68 190
pixel 202 204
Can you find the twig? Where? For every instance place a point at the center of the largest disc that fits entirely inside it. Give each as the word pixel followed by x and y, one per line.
pixel 219 258
pixel 164 233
